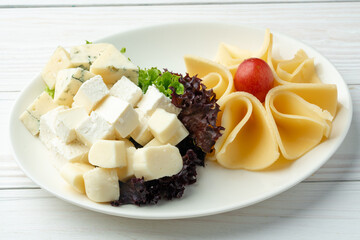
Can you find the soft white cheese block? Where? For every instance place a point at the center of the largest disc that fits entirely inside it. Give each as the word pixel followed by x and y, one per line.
pixel 180 134
pixel 68 82
pixel 164 125
pixel 142 133
pixel 120 114
pixel 154 99
pixel 127 91
pixel 94 128
pixel 127 172
pixel 101 185
pixel 31 117
pixel 112 65
pixel 73 152
pixel 73 173
pixel 91 93
pixel 84 55
pixel 108 154
pixel 66 121
pixel 153 143
pixel 59 60
pixel 157 162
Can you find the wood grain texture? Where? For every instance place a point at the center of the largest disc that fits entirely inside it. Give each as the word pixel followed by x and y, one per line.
pixel 304 212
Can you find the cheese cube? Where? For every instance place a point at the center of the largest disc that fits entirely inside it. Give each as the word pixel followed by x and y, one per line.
pixel 157 162
pixel 127 91
pixel 127 172
pixel 68 82
pixel 59 60
pixel 66 122
pixel 120 114
pixel 31 117
pixel 94 128
pixel 73 152
pixel 84 55
pixel 164 125
pixel 142 133
pixel 153 143
pixel 91 93
pixel 108 154
pixel 154 99
pixel 101 185
pixel 112 65
pixel 73 173
pixel 180 134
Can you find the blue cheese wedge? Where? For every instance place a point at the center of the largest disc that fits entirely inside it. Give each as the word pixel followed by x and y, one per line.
pixel 84 55
pixel 157 162
pixel 127 91
pixel 58 61
pixel 68 82
pixel 101 185
pixel 31 117
pixel 112 65
pixel 91 93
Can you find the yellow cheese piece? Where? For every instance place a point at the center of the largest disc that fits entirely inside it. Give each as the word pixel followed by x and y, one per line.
pixel 299 69
pixel 248 141
pixel 232 56
pixel 214 75
pixel 301 115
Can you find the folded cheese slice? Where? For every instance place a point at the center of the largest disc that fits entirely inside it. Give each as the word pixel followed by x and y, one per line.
pixel 301 115
pixel 299 69
pixel 214 75
pixel 248 142
pixel 232 56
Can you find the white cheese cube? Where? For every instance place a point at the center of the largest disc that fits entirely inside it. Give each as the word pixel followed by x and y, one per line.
pixel 73 173
pixel 112 65
pixel 94 128
pixel 120 114
pixel 179 135
pixel 47 126
pixel 108 154
pixel 31 117
pixel 84 55
pixel 127 91
pixel 127 172
pixel 66 122
pixel 163 125
pixel 142 133
pixel 91 93
pixel 157 162
pixel 68 82
pixel 59 60
pixel 153 143
pixel 154 99
pixel 101 185
pixel 73 152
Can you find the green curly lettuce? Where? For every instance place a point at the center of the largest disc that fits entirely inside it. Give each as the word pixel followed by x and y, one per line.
pixel 162 81
pixel 49 91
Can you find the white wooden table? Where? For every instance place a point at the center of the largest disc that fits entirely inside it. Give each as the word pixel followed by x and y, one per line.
pixel 324 206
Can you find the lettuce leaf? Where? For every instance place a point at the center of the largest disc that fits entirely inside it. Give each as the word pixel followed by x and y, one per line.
pixel 166 82
pixel 49 91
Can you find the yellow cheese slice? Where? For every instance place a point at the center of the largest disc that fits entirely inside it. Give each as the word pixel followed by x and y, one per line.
pixel 232 56
pixel 214 75
pixel 301 115
pixel 248 142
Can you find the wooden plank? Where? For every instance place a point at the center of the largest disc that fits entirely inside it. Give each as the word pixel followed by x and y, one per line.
pixel 72 3
pixel 333 29
pixel 324 210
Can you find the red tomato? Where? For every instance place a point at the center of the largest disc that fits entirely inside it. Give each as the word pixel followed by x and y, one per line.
pixel 254 76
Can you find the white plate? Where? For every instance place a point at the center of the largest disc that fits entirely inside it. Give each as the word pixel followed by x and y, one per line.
pixel 218 189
